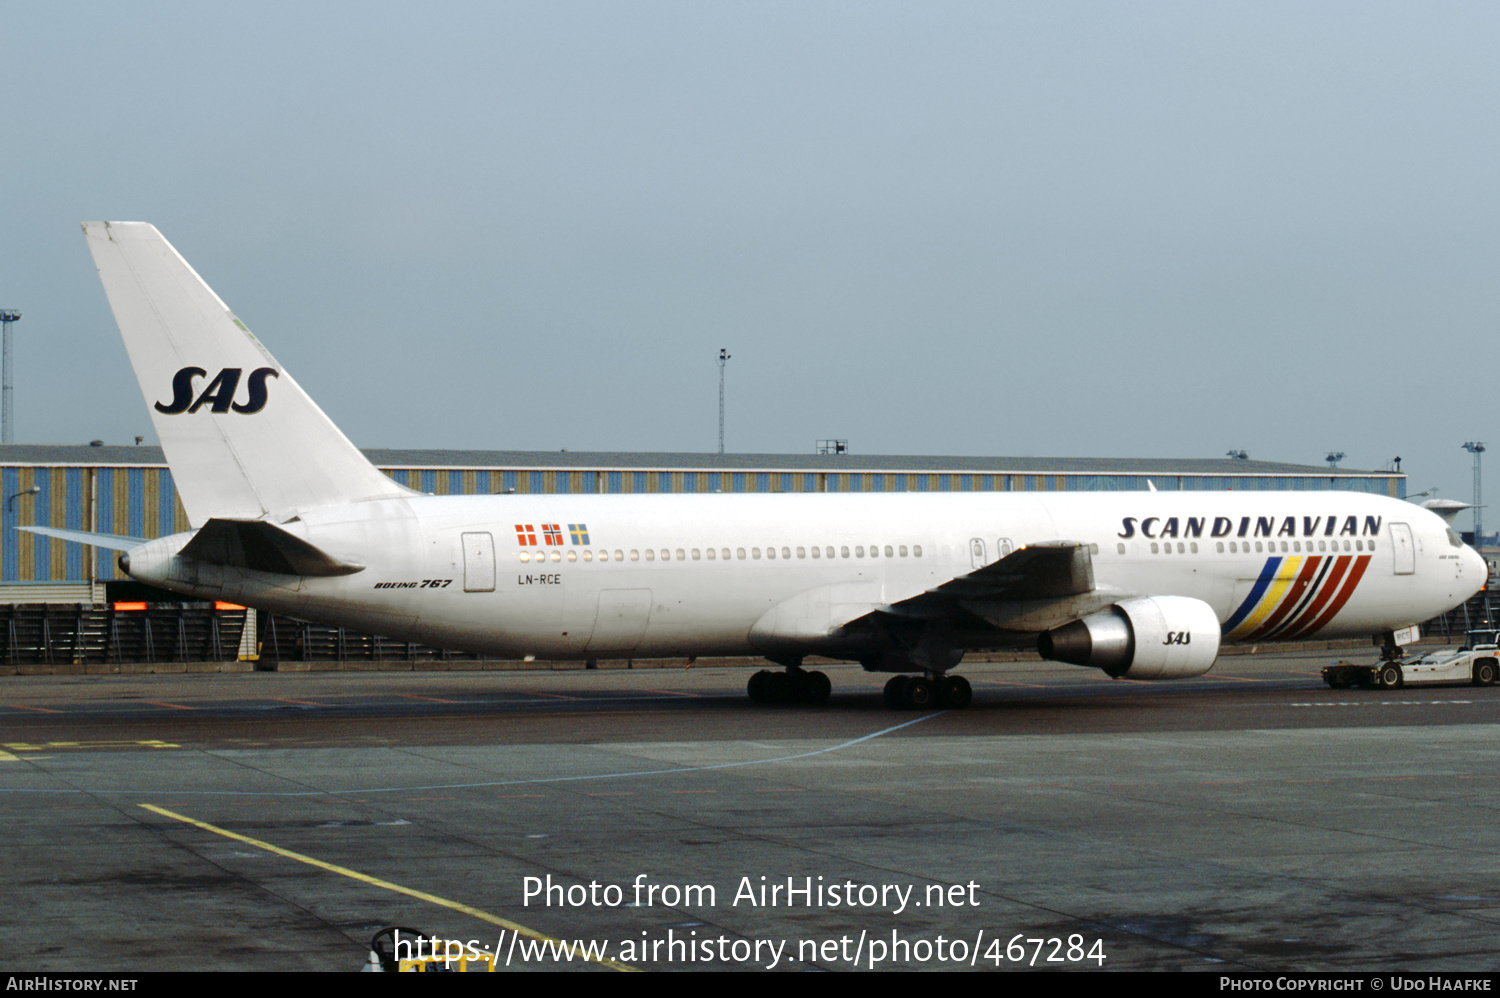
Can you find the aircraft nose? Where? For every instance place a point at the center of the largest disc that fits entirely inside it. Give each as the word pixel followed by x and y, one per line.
pixel 1476 569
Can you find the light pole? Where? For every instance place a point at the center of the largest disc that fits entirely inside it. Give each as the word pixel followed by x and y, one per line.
pixel 11 502
pixel 723 359
pixel 8 316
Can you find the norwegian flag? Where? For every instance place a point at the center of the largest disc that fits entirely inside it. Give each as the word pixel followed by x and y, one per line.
pixel 525 534
pixel 552 533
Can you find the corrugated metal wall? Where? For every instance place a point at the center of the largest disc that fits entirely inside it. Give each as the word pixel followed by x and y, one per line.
pixel 142 501
pixel 136 502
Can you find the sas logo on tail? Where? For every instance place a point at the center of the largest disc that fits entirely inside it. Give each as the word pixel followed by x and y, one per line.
pixel 219 394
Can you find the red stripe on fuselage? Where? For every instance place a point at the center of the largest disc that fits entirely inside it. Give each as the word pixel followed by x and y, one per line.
pixel 1356 572
pixel 1325 594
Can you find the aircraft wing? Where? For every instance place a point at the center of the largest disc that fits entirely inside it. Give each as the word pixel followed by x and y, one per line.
pixel 1036 587
pixel 1051 569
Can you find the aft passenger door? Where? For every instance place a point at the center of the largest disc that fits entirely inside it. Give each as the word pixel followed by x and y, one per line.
pixel 479 562
pixel 621 620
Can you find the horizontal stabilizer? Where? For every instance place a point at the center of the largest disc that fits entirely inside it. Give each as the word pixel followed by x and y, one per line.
pixel 262 547
pixel 115 542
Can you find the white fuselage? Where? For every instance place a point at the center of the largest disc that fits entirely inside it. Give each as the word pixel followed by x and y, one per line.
pixel 585 576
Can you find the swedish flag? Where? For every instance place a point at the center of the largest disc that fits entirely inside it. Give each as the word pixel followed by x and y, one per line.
pixel 580 532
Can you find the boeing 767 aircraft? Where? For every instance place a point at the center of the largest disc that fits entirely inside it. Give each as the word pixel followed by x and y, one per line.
pixel 289 517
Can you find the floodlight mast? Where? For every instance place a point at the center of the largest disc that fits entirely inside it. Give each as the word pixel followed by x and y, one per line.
pixel 1476 447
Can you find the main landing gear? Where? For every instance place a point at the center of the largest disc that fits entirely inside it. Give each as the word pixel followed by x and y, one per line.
pixel 902 692
pixel 792 686
pixel 928 693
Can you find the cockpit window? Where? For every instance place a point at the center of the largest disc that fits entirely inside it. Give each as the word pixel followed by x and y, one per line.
pixel 1454 539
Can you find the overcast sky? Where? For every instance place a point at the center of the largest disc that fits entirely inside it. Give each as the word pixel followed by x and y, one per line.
pixel 1049 229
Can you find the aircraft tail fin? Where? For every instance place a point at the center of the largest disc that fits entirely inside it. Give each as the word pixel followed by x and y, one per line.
pixel 243 440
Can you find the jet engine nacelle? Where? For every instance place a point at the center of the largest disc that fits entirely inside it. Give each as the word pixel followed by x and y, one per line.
pixel 1157 637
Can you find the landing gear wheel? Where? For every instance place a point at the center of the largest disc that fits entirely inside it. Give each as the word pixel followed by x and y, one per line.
pixel 895 692
pixel 954 693
pixel 919 693
pixel 1484 674
pixel 768 686
pixel 1389 677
